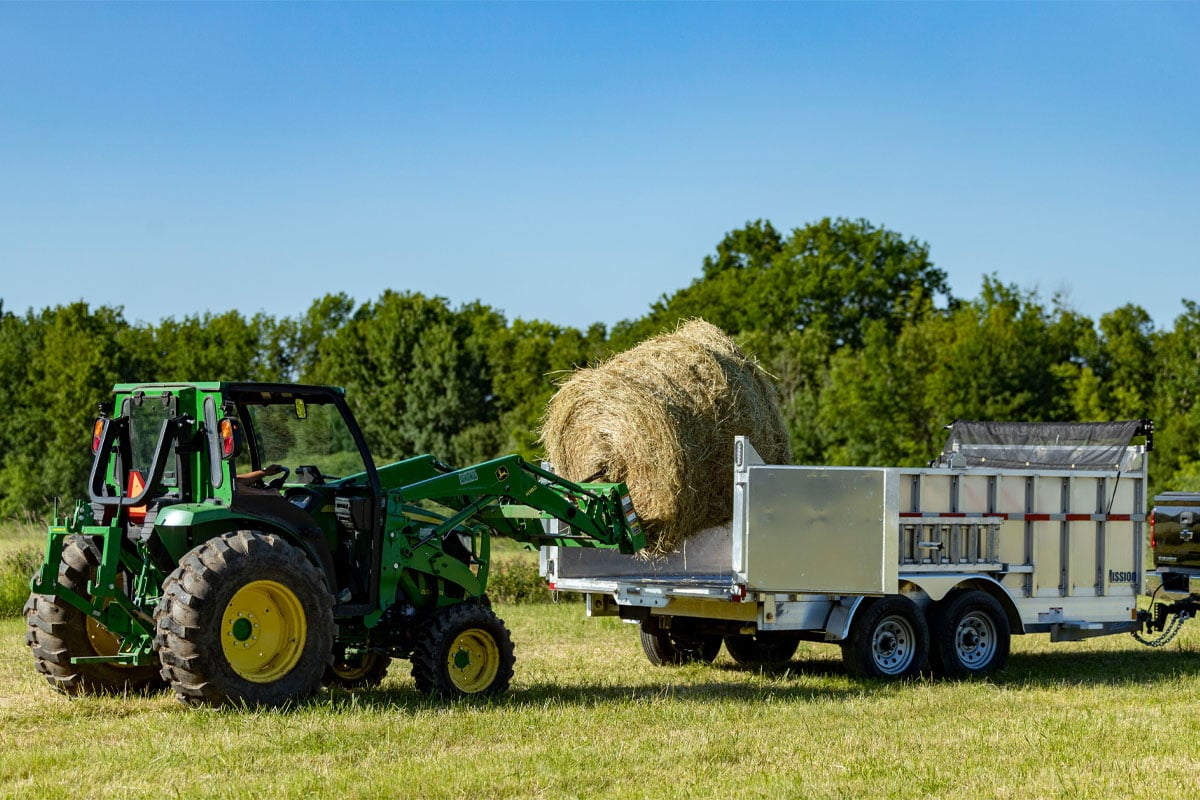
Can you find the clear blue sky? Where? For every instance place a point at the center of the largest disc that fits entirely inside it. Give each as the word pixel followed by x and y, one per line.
pixel 572 162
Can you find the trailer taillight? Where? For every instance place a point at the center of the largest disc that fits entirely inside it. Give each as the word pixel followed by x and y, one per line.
pixel 1153 541
pixel 97 435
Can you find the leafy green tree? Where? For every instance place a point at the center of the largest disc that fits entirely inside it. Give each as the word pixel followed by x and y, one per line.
pixel 64 362
pixel 305 338
pixel 798 362
pixel 1176 460
pixel 1126 362
pixel 211 347
pixel 415 375
pixel 529 359
pixel 837 275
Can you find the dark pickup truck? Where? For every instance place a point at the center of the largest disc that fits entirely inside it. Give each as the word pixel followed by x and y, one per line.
pixel 1175 538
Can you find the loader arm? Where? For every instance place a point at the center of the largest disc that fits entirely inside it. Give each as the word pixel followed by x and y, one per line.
pixel 512 496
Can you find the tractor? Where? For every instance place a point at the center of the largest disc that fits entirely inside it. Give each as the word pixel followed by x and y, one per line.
pixel 240 545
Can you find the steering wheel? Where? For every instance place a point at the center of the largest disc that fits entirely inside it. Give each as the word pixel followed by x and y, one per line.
pixel 278 482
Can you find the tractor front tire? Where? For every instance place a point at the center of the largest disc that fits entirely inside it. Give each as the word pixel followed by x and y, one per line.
pixel 246 618
pixel 463 650
pixel 56 632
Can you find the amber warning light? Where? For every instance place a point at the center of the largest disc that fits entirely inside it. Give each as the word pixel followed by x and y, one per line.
pixel 228 430
pixel 97 435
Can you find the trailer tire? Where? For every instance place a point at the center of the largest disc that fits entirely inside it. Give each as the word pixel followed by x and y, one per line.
pixel 360 672
pixel 463 650
pixel 889 638
pixel 971 635
pixel 663 648
pixel 767 649
pixel 56 632
pixel 245 618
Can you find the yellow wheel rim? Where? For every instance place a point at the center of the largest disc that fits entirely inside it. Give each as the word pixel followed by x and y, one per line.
pixel 263 631
pixel 104 643
pixel 473 661
pixel 349 671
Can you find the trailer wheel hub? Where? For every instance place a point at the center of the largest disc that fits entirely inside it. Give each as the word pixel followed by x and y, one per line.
pixel 892 645
pixel 975 639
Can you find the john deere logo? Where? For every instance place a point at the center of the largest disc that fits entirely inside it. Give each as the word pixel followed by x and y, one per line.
pixel 502 474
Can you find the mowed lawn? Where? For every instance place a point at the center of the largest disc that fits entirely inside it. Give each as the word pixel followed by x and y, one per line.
pixel 588 716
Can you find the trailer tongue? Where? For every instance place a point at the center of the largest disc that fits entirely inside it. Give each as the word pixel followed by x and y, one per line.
pixel 1015 528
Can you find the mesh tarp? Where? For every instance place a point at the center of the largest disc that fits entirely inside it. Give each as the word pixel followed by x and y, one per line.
pixel 1056 445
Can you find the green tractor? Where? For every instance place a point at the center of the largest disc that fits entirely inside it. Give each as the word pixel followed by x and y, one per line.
pixel 240 545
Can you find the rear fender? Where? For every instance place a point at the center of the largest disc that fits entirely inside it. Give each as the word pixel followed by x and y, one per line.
pixel 180 528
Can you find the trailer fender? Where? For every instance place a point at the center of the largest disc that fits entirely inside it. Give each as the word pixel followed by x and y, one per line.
pixel 938 587
pixel 837 626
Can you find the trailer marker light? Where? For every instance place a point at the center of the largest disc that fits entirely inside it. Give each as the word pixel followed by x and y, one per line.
pixel 1153 541
pixel 738 593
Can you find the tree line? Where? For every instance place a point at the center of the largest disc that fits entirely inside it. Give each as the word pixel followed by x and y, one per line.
pixel 872 353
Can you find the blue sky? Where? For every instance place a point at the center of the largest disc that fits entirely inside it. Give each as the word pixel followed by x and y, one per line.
pixel 572 162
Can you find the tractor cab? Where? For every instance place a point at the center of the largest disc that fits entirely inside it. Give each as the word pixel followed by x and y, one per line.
pixel 302 465
pixel 288 459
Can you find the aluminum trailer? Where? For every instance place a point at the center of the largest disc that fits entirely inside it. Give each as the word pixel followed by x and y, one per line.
pixel 1014 529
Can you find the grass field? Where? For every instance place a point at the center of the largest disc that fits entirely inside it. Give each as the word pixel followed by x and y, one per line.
pixel 588 716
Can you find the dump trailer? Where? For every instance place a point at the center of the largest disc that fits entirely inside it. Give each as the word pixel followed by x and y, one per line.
pixel 1015 528
pixel 240 545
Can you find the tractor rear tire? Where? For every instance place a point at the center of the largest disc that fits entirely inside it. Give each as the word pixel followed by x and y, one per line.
pixel 246 618
pixel 767 649
pixel 56 632
pixel 359 672
pixel 889 639
pixel 663 648
pixel 464 650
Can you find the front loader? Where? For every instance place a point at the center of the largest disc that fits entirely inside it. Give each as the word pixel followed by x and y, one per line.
pixel 187 567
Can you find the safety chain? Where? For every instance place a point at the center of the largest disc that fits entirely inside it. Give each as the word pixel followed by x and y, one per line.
pixel 1169 633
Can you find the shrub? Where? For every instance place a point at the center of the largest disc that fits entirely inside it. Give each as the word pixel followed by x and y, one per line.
pixel 16 569
pixel 517 581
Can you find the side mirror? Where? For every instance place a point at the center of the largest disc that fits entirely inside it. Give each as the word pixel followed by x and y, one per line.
pixel 230 432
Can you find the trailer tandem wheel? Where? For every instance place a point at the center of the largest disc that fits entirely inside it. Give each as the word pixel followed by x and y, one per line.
pixel 57 632
pixel 244 618
pixel 665 648
pixel 889 638
pixel 765 649
pixel 971 635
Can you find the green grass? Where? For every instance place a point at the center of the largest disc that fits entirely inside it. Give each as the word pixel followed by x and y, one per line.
pixel 22 543
pixel 587 716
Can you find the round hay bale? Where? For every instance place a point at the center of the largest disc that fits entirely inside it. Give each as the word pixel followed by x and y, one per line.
pixel 661 417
